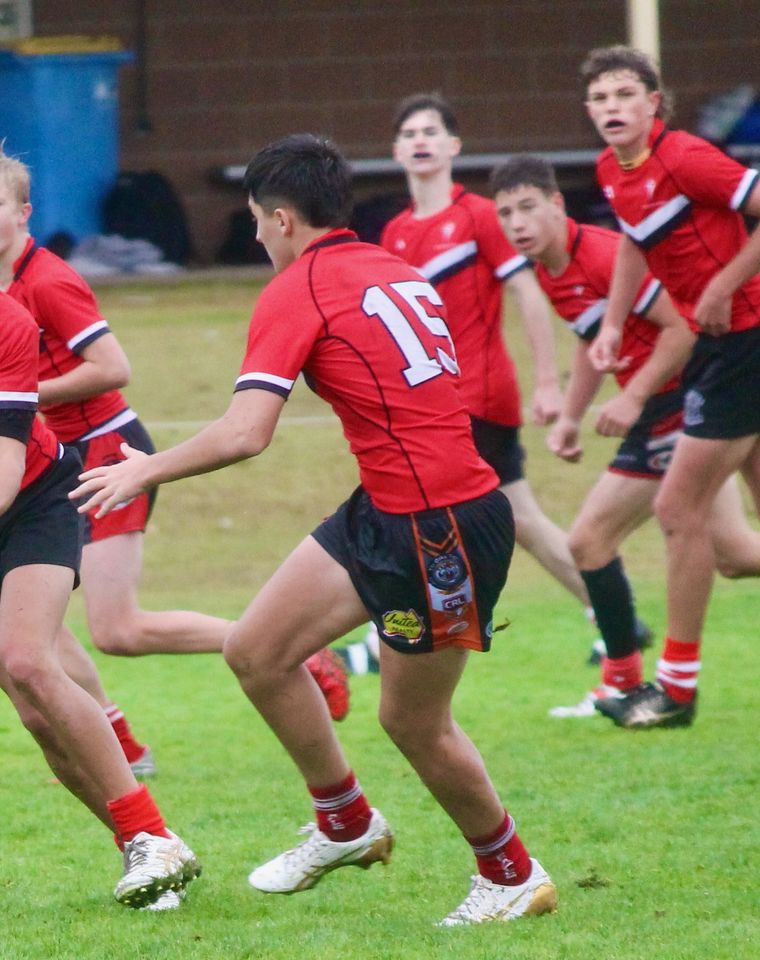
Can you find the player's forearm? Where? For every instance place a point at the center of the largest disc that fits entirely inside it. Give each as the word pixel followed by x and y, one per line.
pixel 630 268
pixel 537 323
pixel 219 444
pixel 85 381
pixel 582 387
pixel 742 268
pixel 674 344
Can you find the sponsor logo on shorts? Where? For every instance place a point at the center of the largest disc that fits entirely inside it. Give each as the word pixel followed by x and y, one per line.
pixel 458 627
pixel 403 623
pixel 489 628
pixel 659 462
pixel 446 571
pixel 692 409
pixel 456 603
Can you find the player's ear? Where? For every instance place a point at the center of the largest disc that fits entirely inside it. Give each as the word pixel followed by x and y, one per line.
pixel 558 200
pixel 25 212
pixel 655 100
pixel 284 219
pixel 456 147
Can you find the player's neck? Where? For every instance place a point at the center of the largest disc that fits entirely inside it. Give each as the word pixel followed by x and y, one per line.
pixel 8 257
pixel 555 257
pixel 431 194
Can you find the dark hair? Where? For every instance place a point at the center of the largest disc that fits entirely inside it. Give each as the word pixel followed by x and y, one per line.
pixel 619 57
pixel 426 101
pixel 306 173
pixel 524 170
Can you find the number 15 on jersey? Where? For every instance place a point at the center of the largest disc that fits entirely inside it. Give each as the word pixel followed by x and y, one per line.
pixel 421 366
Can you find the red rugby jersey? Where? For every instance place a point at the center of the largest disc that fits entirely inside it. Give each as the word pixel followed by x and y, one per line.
pixel 463 252
pixel 68 317
pixel 369 335
pixel 681 208
pixel 579 295
pixel 19 358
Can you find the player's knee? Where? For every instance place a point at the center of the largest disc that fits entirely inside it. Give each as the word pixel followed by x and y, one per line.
pixel 29 673
pixel 249 661
pixel 580 544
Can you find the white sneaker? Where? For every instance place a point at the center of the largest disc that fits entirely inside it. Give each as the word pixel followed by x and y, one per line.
pixel 305 865
pixel 153 865
pixel 169 900
pixel 145 765
pixel 585 708
pixel 494 901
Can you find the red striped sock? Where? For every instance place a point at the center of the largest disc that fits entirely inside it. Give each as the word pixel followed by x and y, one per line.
pixel 132 749
pixel 624 672
pixel 678 669
pixel 136 812
pixel 342 810
pixel 501 855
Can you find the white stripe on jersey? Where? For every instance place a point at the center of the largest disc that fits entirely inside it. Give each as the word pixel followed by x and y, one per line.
pixel 744 189
pixel 589 317
pixel 449 258
pixel 86 334
pixel 646 299
pixel 655 221
pixel 13 396
pixel 126 416
pixel 511 266
pixel 266 378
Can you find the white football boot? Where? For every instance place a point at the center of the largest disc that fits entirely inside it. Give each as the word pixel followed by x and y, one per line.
pixel 488 901
pixel 305 865
pixel 586 707
pixel 153 865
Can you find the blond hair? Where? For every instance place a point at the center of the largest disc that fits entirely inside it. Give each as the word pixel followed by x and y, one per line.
pixel 15 175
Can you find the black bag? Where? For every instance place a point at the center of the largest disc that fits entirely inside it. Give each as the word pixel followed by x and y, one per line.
pixel 145 206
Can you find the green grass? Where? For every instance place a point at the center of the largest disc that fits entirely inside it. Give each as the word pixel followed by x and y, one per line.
pixel 653 839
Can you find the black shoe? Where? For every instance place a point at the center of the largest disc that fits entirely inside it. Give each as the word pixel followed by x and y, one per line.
pixel 643 640
pixel 647 705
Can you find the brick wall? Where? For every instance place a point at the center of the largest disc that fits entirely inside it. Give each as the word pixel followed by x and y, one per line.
pixel 223 78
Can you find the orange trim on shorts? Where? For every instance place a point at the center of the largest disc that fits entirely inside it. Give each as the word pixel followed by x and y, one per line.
pixel 439 623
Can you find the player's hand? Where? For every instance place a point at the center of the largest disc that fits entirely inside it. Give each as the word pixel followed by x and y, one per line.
pixel 713 311
pixel 562 440
pixel 546 405
pixel 618 415
pixel 105 488
pixel 603 352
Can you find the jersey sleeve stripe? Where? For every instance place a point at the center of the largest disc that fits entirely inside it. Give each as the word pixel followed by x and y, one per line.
pixel 81 339
pixel 583 324
pixel 264 381
pixel 744 189
pixel 648 297
pixel 449 262
pixel 657 225
pixel 15 400
pixel 512 266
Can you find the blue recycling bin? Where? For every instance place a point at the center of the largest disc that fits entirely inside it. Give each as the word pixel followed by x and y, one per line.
pixel 59 114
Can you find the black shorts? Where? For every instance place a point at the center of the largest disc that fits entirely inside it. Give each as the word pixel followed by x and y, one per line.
pixel 722 381
pixel 132 517
pixel 42 525
pixel 500 447
pixel 430 579
pixel 648 446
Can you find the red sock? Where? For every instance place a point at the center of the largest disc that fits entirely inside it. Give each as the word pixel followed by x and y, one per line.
pixel 501 856
pixel 678 669
pixel 342 809
pixel 136 812
pixel 624 672
pixel 132 749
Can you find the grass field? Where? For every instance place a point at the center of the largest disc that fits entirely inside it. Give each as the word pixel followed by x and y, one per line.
pixel 652 839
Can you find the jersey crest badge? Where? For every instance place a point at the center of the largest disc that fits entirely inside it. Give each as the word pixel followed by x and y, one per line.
pixel 447 230
pixel 649 187
pixel 400 244
pixel 608 192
